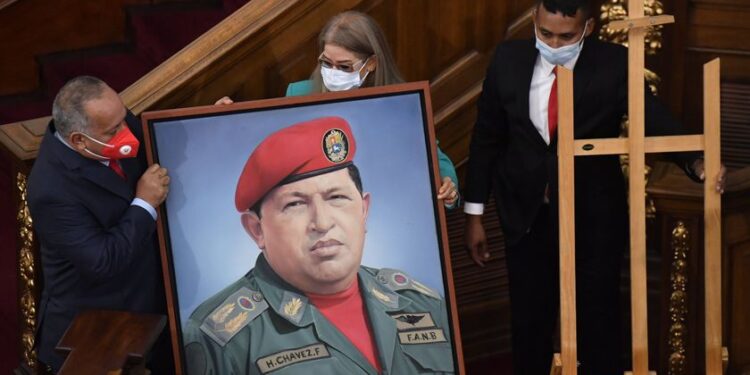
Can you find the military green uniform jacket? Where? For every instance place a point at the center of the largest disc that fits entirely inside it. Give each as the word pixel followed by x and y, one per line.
pixel 261 325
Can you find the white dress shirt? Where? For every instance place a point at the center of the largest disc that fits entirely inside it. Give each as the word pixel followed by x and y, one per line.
pixel 541 85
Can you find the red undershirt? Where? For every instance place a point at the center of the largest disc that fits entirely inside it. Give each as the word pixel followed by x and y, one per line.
pixel 346 311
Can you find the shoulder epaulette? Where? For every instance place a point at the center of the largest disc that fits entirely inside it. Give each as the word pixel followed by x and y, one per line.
pixel 397 280
pixel 237 311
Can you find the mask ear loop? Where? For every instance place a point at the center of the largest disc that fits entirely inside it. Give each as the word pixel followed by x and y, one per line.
pixel 92 153
pixel 364 64
pixel 583 36
pixel 101 157
pixel 96 140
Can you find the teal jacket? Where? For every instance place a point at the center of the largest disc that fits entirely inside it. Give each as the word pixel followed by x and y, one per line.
pixel 260 324
pixel 444 162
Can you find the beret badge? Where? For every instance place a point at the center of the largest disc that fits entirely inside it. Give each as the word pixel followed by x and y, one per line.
pixel 335 145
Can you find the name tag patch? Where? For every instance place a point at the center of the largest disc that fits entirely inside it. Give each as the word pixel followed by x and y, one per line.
pixel 279 360
pixel 414 320
pixel 424 336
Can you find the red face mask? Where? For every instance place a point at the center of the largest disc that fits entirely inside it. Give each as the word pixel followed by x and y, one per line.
pixel 122 146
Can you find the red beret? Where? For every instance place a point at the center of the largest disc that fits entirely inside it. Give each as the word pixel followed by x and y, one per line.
pixel 299 151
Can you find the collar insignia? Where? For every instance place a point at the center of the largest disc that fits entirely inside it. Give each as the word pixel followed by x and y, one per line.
pixel 292 307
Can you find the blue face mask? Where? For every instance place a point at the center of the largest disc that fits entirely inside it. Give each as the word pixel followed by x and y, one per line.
pixel 561 55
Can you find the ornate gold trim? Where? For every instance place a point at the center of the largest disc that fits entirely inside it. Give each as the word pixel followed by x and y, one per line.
pixel 27 271
pixel 678 300
pixel 616 10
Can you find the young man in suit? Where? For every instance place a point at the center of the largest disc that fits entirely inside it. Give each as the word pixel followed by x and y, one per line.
pixel 513 154
pixel 93 203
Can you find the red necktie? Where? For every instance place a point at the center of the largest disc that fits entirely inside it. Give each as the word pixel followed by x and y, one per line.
pixel 552 107
pixel 115 166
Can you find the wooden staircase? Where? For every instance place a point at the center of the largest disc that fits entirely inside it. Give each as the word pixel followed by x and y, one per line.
pixel 128 39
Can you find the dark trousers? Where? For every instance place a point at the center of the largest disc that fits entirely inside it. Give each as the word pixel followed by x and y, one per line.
pixel 533 267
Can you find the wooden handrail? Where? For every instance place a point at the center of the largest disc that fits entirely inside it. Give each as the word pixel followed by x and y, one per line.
pixel 205 52
pixel 520 24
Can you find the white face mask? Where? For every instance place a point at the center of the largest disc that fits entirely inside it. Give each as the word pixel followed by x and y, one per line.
pixel 560 55
pixel 337 80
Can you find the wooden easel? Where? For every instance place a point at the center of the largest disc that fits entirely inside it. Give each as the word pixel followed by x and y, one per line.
pixel 636 146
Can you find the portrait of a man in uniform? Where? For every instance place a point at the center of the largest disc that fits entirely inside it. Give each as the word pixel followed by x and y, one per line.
pixel 308 306
pixel 303 236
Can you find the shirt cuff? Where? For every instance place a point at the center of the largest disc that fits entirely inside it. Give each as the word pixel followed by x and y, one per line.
pixel 473 208
pixel 143 204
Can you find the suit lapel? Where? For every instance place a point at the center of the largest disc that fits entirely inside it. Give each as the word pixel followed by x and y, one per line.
pixel 132 170
pixel 89 169
pixel 585 68
pixel 107 179
pixel 525 72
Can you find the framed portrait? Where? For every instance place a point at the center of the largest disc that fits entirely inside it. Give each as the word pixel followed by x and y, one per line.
pixel 236 305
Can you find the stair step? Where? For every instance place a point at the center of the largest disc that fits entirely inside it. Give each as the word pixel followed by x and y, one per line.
pixel 155 32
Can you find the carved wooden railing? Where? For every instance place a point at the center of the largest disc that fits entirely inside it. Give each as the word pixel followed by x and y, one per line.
pixel 678 232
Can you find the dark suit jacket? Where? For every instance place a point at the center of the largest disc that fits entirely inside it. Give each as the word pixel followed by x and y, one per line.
pixel 98 251
pixel 511 159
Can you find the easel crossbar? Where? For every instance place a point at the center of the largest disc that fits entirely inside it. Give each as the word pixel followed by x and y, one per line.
pixel 634 23
pixel 615 146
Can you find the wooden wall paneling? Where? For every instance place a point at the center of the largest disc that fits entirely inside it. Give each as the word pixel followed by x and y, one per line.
pixel 491 19
pixel 735 125
pixel 735 103
pixel 449 44
pixel 455 127
pixel 719 26
pixel 457 78
pixel 739 305
pixel 385 13
pixel 669 62
pixel 706 29
pixel 455 93
pixel 411 49
pixel 736 235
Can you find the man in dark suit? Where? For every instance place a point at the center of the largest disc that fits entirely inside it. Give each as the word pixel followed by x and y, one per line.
pixel 93 203
pixel 513 154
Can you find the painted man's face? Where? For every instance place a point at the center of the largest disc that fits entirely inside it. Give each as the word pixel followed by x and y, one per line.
pixel 312 231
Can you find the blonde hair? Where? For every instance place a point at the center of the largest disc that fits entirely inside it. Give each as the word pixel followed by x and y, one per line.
pixel 359 33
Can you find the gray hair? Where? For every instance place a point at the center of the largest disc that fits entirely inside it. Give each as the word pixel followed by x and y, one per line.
pixel 68 110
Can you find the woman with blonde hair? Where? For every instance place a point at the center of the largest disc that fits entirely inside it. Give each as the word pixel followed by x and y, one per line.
pixel 350 41
pixel 354 53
